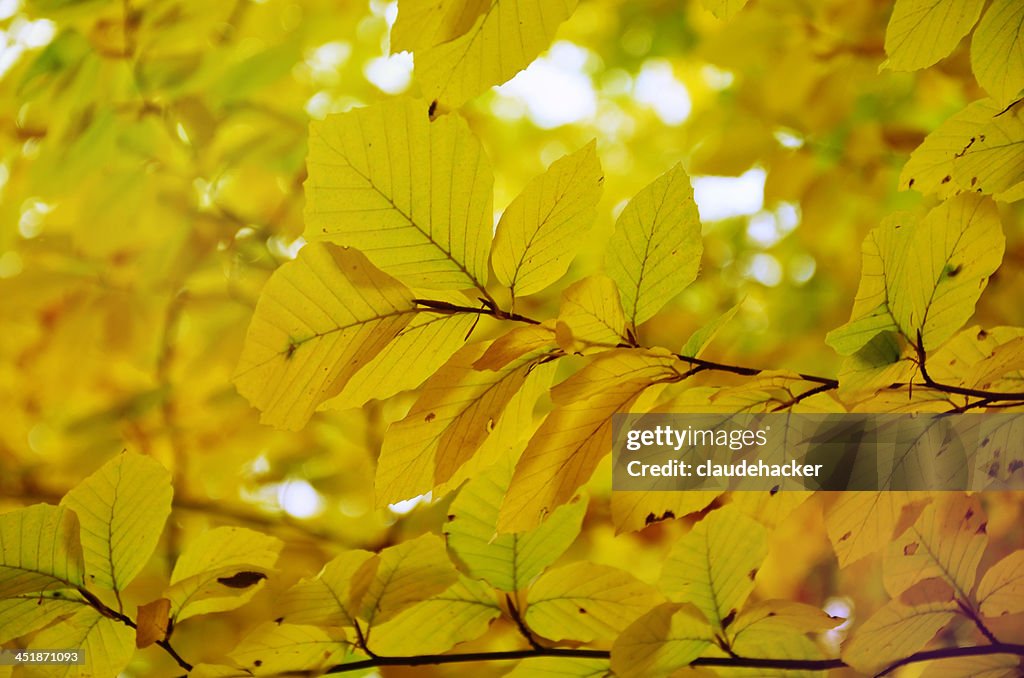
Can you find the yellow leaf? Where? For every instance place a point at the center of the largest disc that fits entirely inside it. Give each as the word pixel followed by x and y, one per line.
pixel 947 542
pixel 419 350
pixel 783 614
pixel 994 666
pixel 407 574
pixel 567 447
pixel 767 507
pixel 921 32
pixel 700 339
pixel 655 251
pixel 974 351
pixel 24 613
pixel 634 510
pixel 561 667
pixel 122 509
pixel 504 40
pixel 333 597
pixel 108 646
pixel 273 649
pixel 876 366
pixel 413 195
pixel 319 319
pixel 210 575
pixel 996 58
pixel 457 410
pixel 152 622
pixel 506 561
pixel 894 632
pixel 713 566
pixel 859 523
pixel 992 160
pixel 586 601
pixel 513 345
pixel 930 167
pixel 667 638
pixel 777 629
pixel 923 278
pixel 422 24
pixel 462 612
pixel 724 9
pixel 39 550
pixel 1005 361
pixel 541 230
pixel 592 311
pixel 1001 590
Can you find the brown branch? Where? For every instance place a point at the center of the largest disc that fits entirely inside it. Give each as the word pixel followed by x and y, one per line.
pixel 989 396
pixel 524 630
pixel 489 308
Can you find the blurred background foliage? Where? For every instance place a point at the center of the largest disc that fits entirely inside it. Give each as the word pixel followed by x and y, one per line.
pixel 151 165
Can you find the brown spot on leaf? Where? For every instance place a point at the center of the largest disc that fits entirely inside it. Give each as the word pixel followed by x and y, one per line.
pixel 583 610
pixel 846 536
pixel 982 335
pixel 752 574
pixel 258 663
pixel 982 529
pixel 430 417
pixel 946 179
pixel 432 109
pixel 242 580
pixel 910 549
pixel 910 184
pixel 728 619
pixel 651 518
pixel 1016 465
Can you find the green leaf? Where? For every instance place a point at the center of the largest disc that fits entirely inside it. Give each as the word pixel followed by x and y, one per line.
pixel 39 550
pixel 655 251
pixel 407 574
pixel 273 649
pixel 458 409
pixel 996 58
pixel 462 612
pixel 508 562
pixel 122 509
pixel 1001 590
pixel 333 597
pixel 108 646
pixel 587 601
pixel 592 311
pixel 413 195
pixel 206 576
pixel 27 612
pixel 541 230
pixel 565 450
pixel 667 638
pixel 921 32
pixel 992 160
pixel 504 40
pixel 713 566
pixel 319 319
pixel 946 542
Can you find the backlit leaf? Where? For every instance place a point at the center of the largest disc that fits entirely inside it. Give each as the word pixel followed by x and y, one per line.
pixel 462 612
pixel 655 251
pixel 996 57
pixel 272 649
pixel 413 195
pixel 567 447
pixel 422 24
pixel 407 573
pixel 860 523
pixel 667 638
pixel 592 311
pixel 27 612
pixel 700 339
pixel 333 597
pixel 586 601
pixel 200 582
pixel 122 509
pixel 319 319
pixel 713 566
pixel 540 231
pixel 993 666
pixel 39 550
pixel 635 510
pixel 921 32
pixel 893 632
pixel 504 40
pixel 506 561
pixel 1001 590
pixel 992 160
pixel 724 9
pixel 560 667
pixel 108 646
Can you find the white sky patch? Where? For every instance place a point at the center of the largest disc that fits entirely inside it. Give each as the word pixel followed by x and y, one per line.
pixel 390 74
pixel 407 505
pixel 9 8
pixel 765 269
pixel 802 268
pixel 554 90
pixel 299 499
pixel 723 197
pixel 325 60
pixel 657 87
pixel 285 248
pixel 837 607
pixel 788 138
